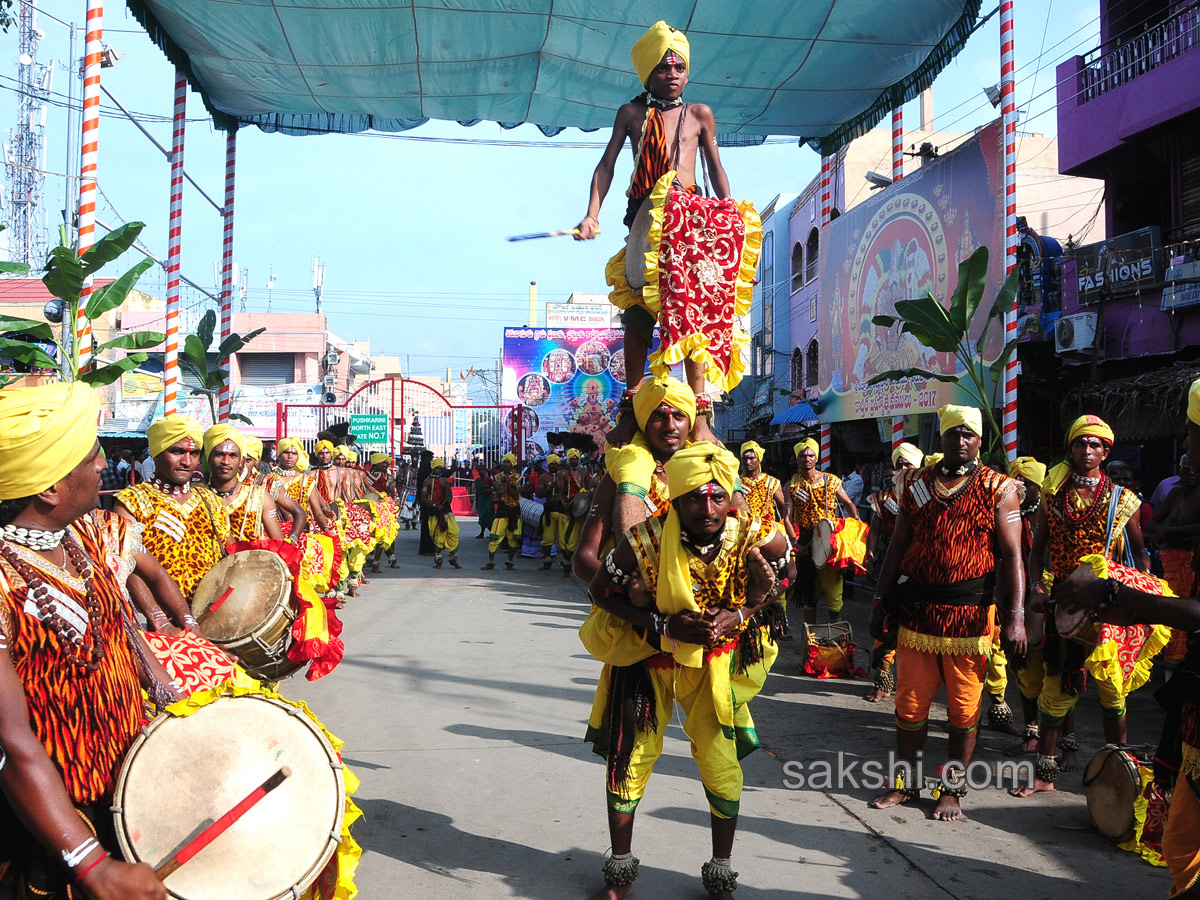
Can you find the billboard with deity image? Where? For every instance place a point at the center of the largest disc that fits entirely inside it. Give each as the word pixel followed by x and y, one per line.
pixel 567 379
pixel 907 241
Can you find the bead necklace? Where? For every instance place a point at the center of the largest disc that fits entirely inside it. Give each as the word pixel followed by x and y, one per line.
pixel 228 493
pixel 948 494
pixel 83 650
pixel 1031 509
pixel 1077 517
pixel 1084 480
pixel 958 471
pixel 171 490
pixel 33 538
pixel 702 549
pixel 658 103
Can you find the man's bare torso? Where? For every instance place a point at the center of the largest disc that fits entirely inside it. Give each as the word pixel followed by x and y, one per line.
pixel 632 117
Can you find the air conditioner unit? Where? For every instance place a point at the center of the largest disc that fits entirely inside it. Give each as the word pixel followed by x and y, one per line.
pixel 1075 334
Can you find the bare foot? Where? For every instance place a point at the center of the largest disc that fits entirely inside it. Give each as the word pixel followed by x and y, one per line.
pixel 613 893
pixel 1036 788
pixel 363 581
pixel 890 799
pixel 1009 728
pixel 1023 748
pixel 393 565
pixel 877 694
pixel 948 809
pixel 1068 763
pixel 623 433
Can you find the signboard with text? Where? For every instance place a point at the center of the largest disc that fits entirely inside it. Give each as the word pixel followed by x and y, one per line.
pixel 370 428
pixel 579 315
pixel 1120 265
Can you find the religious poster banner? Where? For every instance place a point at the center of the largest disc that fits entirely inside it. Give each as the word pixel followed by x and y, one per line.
pixel 564 379
pixel 899 245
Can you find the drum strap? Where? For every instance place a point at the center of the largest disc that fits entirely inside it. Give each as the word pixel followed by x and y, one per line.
pixel 213 521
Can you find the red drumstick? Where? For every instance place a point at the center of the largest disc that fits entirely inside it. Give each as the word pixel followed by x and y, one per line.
pixel 217 828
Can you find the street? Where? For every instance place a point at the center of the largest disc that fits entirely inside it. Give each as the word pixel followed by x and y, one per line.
pixel 462 702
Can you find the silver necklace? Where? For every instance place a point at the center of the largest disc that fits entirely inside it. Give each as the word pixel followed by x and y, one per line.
pixel 171 489
pixel 33 538
pixel 959 471
pixel 658 103
pixel 1084 481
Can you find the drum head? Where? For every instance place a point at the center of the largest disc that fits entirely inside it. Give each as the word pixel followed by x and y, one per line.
pixel 374 495
pixel 1112 784
pixel 217 756
pixel 637 246
pixel 822 543
pixel 581 504
pixel 260 583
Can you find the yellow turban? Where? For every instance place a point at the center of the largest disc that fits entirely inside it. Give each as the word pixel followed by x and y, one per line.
pixel 573 453
pixel 254 447
pixel 553 459
pixel 1089 426
pixel 341 450
pixel 656 391
pixel 379 458
pixel 933 459
pixel 289 443
pixel 170 430
pixel 687 469
pixel 808 443
pixel 438 464
pixel 907 451
pixel 1028 468
pixel 351 455
pixel 323 445
pixel 509 457
pixel 302 462
pixel 218 434
pixel 751 445
pixel 952 415
pixel 650 48
pixel 45 432
pixel 1193 411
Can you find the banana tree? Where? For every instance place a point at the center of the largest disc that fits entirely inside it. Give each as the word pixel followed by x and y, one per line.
pixel 948 330
pixel 194 360
pixel 64 277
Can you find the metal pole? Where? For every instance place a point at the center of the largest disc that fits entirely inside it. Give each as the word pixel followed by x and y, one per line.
pixel 174 246
pixel 826 205
pixel 897 174
pixel 73 73
pixel 1008 102
pixel 279 414
pixel 89 156
pixel 227 269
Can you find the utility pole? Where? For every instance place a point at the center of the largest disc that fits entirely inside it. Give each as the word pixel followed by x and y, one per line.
pixel 318 280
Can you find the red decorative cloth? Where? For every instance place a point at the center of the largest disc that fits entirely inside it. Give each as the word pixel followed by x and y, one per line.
pixel 831 661
pixel 196 663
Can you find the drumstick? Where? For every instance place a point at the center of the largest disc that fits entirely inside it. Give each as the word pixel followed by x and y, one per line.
pixel 544 234
pixel 217 828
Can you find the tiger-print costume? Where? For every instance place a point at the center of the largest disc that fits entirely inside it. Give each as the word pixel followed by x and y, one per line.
pixel 85 720
pixel 1071 541
pixel 186 538
pixel 812 503
pixel 245 513
pixel 760 496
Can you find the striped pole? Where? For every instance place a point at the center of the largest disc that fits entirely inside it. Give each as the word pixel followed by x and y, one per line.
pixel 227 268
pixel 174 245
pixel 826 440
pixel 1008 103
pixel 897 431
pixel 826 205
pixel 897 144
pixel 89 156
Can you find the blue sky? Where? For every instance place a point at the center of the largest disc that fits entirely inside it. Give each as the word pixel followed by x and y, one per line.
pixel 412 233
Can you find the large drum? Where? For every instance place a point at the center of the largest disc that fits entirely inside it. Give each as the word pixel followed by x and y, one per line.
pixel 1112 784
pixel 244 604
pixel 581 504
pixel 840 544
pixel 216 756
pixel 531 512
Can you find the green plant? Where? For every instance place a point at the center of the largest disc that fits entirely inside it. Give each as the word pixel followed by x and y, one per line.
pixel 195 360
pixel 64 277
pixel 948 330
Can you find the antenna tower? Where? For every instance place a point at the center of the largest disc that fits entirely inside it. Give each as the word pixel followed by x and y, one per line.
pixel 24 155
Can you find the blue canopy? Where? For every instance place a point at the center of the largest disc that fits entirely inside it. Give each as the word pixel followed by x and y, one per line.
pixel 800 414
pixel 823 70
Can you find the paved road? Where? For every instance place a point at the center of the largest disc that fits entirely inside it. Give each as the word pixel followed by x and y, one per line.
pixel 462 701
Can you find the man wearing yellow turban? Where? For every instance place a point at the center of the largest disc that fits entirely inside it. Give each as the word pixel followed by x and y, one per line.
pixel 1083 514
pixel 814 496
pixel 379 479
pixel 701 580
pixel 885 507
pixel 252 511
pixel 185 524
pixel 558 529
pixel 958 526
pixel 443 527
pixel 764 493
pixel 507 527
pixel 71 694
pixel 251 459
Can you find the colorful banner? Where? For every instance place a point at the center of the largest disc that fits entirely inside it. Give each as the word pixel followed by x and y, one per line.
pixel 565 379
pixel 899 245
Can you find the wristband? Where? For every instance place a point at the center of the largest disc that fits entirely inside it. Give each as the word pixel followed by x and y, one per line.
pixel 741 617
pixel 189 619
pixel 99 859
pixel 72 858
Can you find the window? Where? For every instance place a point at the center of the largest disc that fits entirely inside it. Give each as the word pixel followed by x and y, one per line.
pixel 262 369
pixel 810 375
pixel 814 241
pixel 797 370
pixel 797 266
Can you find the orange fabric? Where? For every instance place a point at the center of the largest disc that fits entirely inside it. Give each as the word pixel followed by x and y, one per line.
pixel 1181 839
pixel 1177 572
pixel 920 675
pixel 849 541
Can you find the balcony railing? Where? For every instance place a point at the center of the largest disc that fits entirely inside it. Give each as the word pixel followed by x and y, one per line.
pixel 1108 67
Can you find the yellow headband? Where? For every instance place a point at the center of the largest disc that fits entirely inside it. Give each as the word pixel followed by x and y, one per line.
pixel 1193 408
pixel 289 443
pixel 553 459
pixel 170 430
pixel 952 416
pixel 807 443
pixel 650 48
pixel 379 458
pixel 254 447
pixel 1028 468
pixel 218 434
pixel 656 391
pixel 573 454
pixel 45 432
pixel 907 451
pixel 323 445
pixel 351 455
pixel 751 445
pixel 509 457
pixel 1090 426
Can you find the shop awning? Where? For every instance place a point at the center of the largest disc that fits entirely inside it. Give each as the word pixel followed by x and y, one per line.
pixel 800 414
pixel 824 71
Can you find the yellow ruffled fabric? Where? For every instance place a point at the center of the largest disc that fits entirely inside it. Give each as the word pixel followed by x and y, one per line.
pixel 1140 803
pixel 348 851
pixel 621 296
pixel 613 641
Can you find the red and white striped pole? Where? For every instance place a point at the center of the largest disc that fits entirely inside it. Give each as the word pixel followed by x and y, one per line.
pixel 1008 103
pixel 826 211
pixel 897 431
pixel 897 143
pixel 174 245
pixel 227 268
pixel 89 158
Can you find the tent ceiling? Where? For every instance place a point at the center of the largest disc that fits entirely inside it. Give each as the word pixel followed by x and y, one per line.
pixel 823 70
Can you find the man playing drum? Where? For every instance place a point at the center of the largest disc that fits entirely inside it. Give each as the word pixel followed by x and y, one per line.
pixel 252 512
pixel 443 527
pixel 692 588
pixel 70 700
pixel 507 526
pixel 813 496
pixel 1084 513
pixel 697 325
pixel 959 522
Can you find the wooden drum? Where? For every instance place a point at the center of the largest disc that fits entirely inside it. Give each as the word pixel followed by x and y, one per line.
pixel 1112 784
pixel 244 604
pixel 215 757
